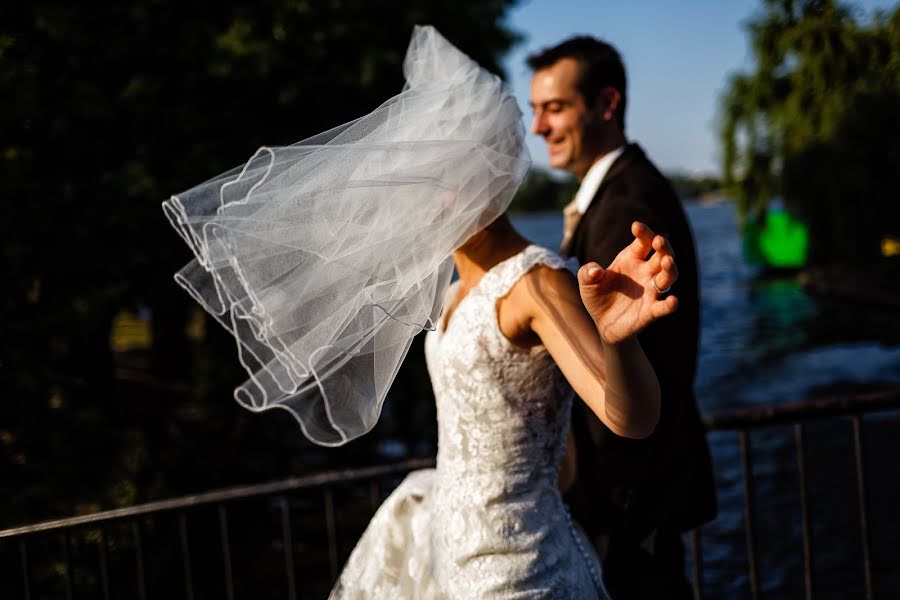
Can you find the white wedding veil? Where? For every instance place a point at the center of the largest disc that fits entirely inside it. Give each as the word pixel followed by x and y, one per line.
pixel 325 258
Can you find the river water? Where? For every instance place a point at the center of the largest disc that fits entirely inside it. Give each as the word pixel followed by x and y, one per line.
pixel 765 341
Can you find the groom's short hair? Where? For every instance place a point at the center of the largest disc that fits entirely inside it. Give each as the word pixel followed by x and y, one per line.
pixel 600 67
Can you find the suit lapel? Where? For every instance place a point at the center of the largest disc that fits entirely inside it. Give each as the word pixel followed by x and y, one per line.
pixel 632 151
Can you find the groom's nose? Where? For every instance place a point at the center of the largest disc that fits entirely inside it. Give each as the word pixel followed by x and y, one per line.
pixel 539 124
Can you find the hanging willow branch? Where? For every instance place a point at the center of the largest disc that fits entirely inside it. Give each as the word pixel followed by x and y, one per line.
pixel 795 119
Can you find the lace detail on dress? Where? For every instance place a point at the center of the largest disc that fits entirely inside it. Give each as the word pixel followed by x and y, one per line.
pixel 499 280
pixel 489 521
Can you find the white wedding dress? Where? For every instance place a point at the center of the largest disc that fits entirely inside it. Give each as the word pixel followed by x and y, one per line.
pixel 489 521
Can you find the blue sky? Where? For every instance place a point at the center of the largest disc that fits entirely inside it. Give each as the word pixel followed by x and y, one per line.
pixel 678 55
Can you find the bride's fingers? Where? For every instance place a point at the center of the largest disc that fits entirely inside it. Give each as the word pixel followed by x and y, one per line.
pixel 662 249
pixel 669 269
pixel 664 307
pixel 643 240
pixel 666 274
pixel 661 245
pixel 590 273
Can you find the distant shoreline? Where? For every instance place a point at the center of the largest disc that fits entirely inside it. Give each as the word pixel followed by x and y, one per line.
pixel 710 198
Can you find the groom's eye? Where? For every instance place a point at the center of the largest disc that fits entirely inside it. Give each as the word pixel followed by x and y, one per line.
pixel 554 107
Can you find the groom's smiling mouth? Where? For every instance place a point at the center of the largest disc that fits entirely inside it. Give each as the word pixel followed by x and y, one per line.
pixel 556 146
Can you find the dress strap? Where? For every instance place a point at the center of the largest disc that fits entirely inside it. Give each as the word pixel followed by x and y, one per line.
pixel 504 276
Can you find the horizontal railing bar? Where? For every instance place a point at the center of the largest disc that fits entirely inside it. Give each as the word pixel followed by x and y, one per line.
pixel 723 420
pixel 224 495
pixel 791 412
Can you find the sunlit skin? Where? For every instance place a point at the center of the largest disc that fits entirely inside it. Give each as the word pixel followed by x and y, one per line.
pixel 586 324
pixel 577 134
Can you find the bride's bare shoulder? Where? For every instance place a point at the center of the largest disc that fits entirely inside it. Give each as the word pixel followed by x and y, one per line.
pixel 542 290
pixel 543 284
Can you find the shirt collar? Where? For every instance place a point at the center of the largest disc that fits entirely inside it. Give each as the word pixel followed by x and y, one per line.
pixel 593 178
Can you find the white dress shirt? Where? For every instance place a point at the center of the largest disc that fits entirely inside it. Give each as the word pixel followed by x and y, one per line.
pixel 593 178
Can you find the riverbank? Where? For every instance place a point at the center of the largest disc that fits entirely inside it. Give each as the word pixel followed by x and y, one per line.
pixel 876 284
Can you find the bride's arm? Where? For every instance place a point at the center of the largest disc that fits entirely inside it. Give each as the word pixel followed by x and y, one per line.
pixel 588 327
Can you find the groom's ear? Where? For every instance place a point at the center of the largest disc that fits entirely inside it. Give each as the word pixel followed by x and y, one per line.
pixel 607 103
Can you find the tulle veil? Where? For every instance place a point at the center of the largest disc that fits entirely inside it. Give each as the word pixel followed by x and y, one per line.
pixel 325 258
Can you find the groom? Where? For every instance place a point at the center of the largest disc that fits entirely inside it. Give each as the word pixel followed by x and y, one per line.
pixel 634 498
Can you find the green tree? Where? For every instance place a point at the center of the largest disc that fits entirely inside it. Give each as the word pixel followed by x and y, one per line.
pixel 542 191
pixel 692 187
pixel 106 112
pixel 817 124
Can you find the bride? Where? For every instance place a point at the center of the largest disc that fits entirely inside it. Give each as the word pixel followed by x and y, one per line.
pixel 326 257
pixel 489 521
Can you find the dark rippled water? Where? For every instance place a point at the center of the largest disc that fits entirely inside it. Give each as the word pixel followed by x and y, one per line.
pixel 765 341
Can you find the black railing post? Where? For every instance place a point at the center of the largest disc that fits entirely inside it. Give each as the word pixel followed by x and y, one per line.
pixel 139 560
pixel 697 563
pixel 67 559
pixel 331 532
pixel 226 552
pixel 26 575
pixel 800 441
pixel 749 528
pixel 863 505
pixel 104 563
pixel 185 556
pixel 287 540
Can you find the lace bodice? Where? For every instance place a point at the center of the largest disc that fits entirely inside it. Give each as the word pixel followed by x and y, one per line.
pixel 503 410
pixel 488 522
pixel 503 415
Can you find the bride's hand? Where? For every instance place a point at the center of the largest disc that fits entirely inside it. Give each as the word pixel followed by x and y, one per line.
pixel 621 298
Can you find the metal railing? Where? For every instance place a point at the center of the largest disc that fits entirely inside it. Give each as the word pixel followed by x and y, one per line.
pixel 220 499
pixel 798 414
pixel 375 479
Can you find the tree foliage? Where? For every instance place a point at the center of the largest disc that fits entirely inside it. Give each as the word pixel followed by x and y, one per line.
pixel 545 191
pixel 542 191
pixel 817 123
pixel 692 187
pixel 106 112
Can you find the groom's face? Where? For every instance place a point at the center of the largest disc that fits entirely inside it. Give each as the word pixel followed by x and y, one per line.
pixel 562 118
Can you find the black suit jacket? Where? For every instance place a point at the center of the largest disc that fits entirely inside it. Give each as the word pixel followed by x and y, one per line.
pixel 628 488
